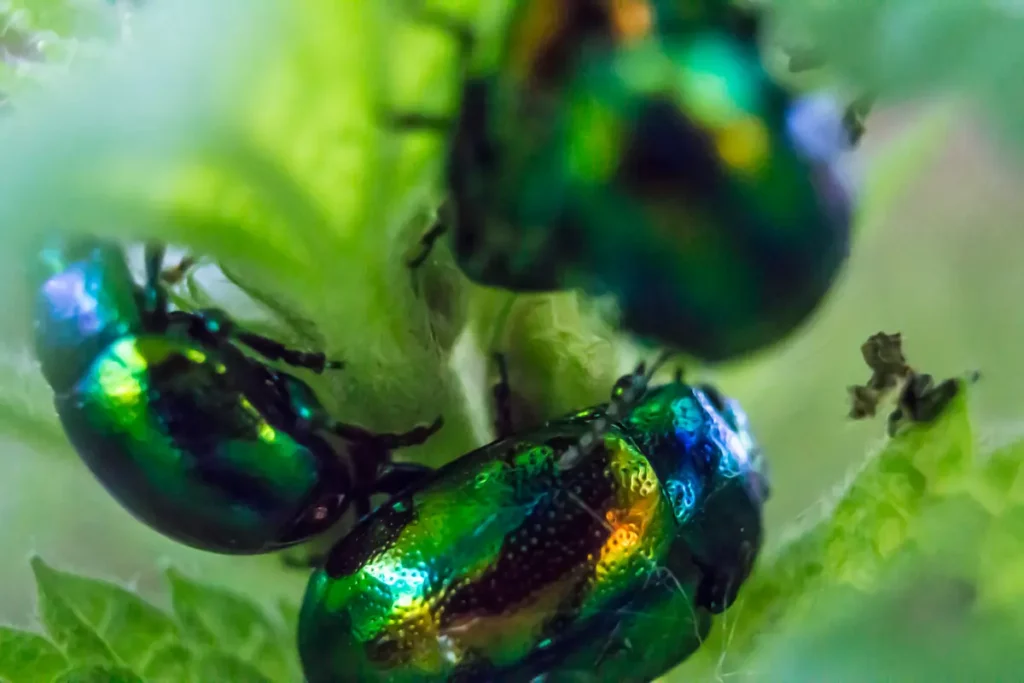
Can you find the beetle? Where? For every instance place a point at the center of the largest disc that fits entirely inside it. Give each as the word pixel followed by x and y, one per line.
pixel 204 442
pixel 508 565
pixel 641 149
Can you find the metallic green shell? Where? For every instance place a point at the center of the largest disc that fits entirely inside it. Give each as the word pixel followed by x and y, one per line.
pixel 656 161
pixel 203 443
pixel 503 566
pixel 167 429
pixel 714 207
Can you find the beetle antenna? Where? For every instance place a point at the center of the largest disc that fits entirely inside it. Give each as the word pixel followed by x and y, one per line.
pixel 627 391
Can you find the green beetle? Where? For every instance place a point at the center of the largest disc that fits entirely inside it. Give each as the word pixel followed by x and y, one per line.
pixel 523 559
pixel 204 443
pixel 642 149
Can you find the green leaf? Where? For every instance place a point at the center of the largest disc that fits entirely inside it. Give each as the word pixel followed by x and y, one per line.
pixel 73 634
pixel 888 506
pixel 129 625
pixel 924 628
pixel 940 610
pixel 172 663
pixel 223 667
pixel 98 674
pixel 106 630
pixel 289 616
pixel 40 430
pixel 28 657
pixel 231 623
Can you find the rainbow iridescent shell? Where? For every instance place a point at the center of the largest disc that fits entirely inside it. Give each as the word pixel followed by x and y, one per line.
pixel 502 566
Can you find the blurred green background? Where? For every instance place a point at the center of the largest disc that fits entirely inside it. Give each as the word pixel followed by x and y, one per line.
pixel 936 258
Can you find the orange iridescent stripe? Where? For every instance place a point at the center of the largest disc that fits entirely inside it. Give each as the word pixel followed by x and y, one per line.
pixel 633 19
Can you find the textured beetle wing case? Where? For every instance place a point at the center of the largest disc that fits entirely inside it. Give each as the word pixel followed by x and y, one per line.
pixel 503 565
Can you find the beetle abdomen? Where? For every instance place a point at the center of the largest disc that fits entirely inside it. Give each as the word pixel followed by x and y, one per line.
pixel 163 425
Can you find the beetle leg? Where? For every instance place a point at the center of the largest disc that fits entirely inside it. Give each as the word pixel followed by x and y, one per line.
pixel 217 324
pixel 413 437
pixel 398 476
pixel 274 350
pixel 502 393
pixel 318 419
pixel 176 274
pixel 427 242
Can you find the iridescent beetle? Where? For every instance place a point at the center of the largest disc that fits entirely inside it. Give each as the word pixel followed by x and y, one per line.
pixel 510 564
pixel 641 149
pixel 206 444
